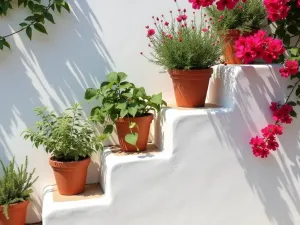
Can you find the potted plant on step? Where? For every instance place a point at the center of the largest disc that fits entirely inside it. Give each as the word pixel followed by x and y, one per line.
pixel 187 50
pixel 71 140
pixel 15 190
pixel 245 19
pixel 128 107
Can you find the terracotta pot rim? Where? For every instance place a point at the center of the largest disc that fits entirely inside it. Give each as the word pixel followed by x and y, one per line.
pixel 53 162
pixel 192 70
pixel 125 120
pixel 14 206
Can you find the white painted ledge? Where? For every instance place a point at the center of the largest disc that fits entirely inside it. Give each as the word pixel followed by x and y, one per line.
pixel 205 173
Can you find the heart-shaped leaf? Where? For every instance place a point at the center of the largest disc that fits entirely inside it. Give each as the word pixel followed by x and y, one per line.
pixel 131 138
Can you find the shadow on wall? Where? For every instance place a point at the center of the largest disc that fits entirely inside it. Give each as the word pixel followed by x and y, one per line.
pixel 51 71
pixel 273 180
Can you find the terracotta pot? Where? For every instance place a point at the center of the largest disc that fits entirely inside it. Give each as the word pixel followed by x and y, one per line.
pixel 70 176
pixel 16 213
pixel 228 45
pixel 143 128
pixel 190 86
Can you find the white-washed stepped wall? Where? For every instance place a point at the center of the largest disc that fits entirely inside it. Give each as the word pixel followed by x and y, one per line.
pixel 205 173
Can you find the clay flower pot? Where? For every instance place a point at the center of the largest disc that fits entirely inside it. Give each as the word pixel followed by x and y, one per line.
pixel 228 45
pixel 16 213
pixel 142 128
pixel 70 176
pixel 190 86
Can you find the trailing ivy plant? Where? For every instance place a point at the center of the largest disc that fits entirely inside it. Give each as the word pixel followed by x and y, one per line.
pixel 15 185
pixel 40 14
pixel 67 138
pixel 118 99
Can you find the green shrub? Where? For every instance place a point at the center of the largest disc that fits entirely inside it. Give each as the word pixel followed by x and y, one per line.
pixel 245 17
pixel 15 185
pixel 68 137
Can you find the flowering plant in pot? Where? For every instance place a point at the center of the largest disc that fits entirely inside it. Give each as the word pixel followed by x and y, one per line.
pixel 15 190
pixel 127 106
pixel 244 19
pixel 187 49
pixel 71 140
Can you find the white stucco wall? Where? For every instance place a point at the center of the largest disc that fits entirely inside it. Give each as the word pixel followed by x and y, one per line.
pixel 54 70
pixel 206 173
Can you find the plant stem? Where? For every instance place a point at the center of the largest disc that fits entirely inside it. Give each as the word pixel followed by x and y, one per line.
pixel 288 98
pixel 29 25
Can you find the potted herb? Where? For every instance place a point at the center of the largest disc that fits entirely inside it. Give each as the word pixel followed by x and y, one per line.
pixel 70 140
pixel 187 50
pixel 245 19
pixel 128 107
pixel 15 190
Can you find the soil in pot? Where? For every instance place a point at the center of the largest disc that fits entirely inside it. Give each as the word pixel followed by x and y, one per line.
pixel 16 212
pixel 190 86
pixel 70 176
pixel 142 128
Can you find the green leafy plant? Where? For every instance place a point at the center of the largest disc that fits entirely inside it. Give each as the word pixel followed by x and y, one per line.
pixel 118 99
pixel 245 17
pixel 68 137
pixel 40 14
pixel 15 185
pixel 182 43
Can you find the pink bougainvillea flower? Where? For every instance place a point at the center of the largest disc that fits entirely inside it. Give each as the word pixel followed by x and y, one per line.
pixel 291 68
pixel 298 3
pixel 222 4
pixel 272 130
pixel 259 147
pixel 205 30
pixel 258 46
pixel 277 9
pixel 272 144
pixel 151 32
pixel 282 113
pixel 166 23
pixel 274 106
pixel 284 72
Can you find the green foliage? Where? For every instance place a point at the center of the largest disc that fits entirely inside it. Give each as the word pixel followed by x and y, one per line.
pixel 39 15
pixel 15 185
pixel 189 48
pixel 245 17
pixel 118 99
pixel 68 137
pixel 5 5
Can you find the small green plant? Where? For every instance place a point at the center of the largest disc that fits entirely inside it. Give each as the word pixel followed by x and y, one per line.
pixel 181 43
pixel 15 185
pixel 245 17
pixel 68 137
pixel 118 99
